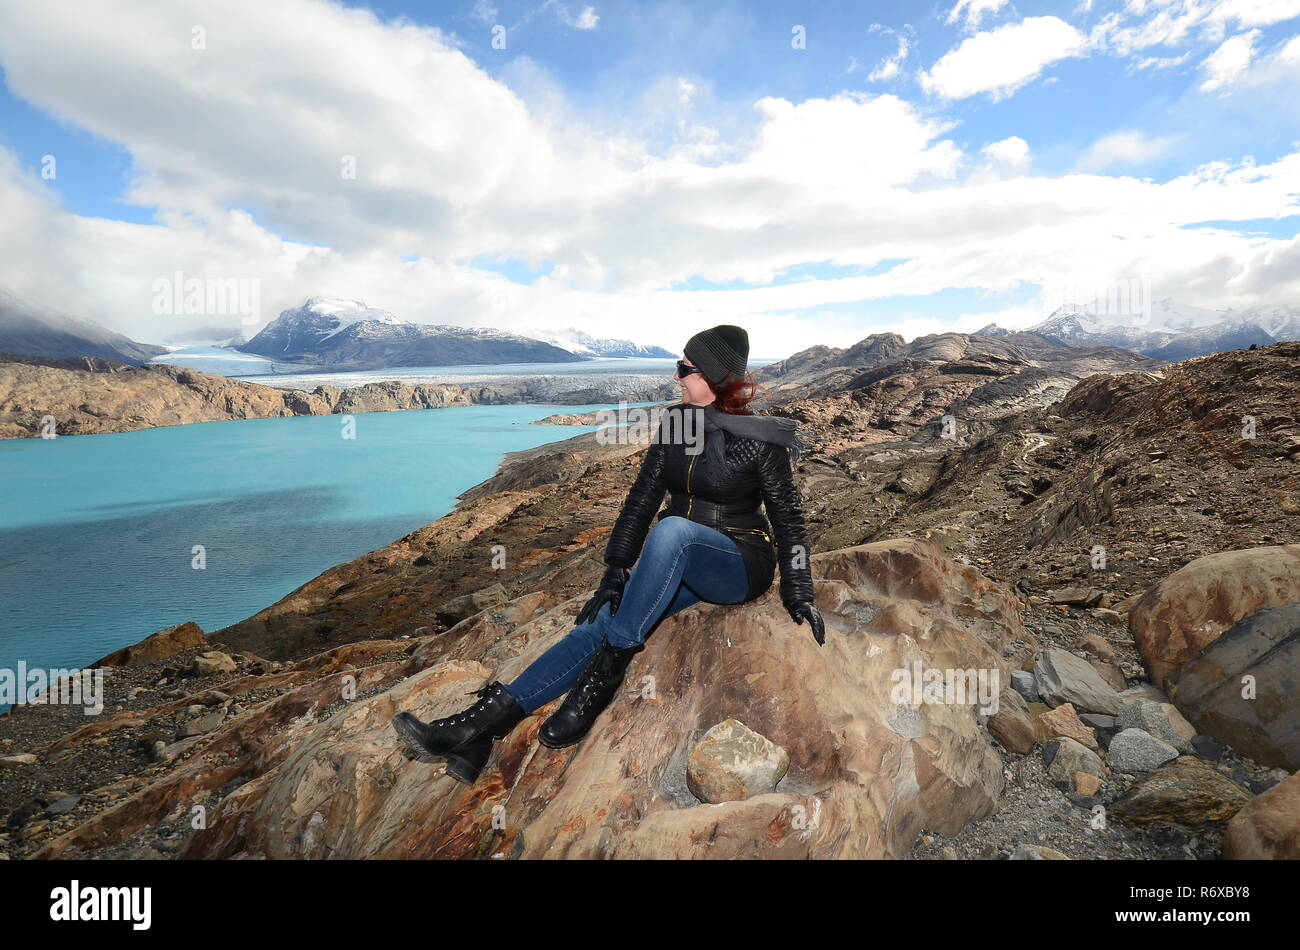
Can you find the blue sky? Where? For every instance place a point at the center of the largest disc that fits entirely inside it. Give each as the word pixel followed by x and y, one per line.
pixel 641 169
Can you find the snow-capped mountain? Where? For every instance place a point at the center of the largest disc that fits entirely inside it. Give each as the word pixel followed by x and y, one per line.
pixel 1175 331
pixel 336 332
pixel 991 329
pixel 584 344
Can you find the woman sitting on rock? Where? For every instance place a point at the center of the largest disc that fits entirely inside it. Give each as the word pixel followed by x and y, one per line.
pixel 710 543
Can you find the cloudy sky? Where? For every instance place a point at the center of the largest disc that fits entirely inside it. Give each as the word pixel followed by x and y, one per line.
pixel 813 172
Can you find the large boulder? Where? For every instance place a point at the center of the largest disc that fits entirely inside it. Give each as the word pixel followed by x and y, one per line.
pixel 1064 678
pixel 1185 790
pixel 157 647
pixel 1268 827
pixel 869 767
pixel 1192 607
pixel 1244 688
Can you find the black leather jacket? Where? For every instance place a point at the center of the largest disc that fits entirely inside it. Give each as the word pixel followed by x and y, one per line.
pixel 728 500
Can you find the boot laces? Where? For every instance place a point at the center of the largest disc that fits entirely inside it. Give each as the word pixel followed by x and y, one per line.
pixel 485 700
pixel 601 666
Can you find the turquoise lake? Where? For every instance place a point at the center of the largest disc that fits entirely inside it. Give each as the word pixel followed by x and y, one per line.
pixel 96 531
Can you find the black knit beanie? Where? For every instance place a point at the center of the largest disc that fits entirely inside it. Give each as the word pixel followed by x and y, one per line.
pixel 721 353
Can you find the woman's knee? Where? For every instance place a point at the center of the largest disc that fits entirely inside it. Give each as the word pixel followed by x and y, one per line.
pixel 673 530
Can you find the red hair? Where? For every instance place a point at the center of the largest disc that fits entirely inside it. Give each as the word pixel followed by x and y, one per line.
pixel 735 395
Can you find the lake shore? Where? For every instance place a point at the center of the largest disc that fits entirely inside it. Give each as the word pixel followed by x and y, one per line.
pixel 41 397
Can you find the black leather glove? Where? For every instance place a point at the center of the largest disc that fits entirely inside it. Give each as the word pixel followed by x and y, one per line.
pixel 610 589
pixel 801 609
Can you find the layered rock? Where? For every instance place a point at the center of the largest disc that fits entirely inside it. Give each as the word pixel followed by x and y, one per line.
pixel 1223 635
pixel 866 772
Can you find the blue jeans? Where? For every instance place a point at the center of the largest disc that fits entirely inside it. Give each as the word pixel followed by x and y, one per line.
pixel 682 563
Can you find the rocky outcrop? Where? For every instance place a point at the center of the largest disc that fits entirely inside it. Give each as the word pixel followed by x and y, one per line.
pixel 1156 458
pixel 854 769
pixel 105 397
pixel 80 403
pixel 158 646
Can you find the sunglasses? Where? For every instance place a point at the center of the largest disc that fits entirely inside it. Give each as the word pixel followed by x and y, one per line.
pixel 684 370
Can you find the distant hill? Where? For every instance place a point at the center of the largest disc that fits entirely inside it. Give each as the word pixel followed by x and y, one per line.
pixel 34 330
pixel 348 334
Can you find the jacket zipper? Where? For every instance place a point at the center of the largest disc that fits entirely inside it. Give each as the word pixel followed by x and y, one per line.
pixel 690 501
pixel 755 531
pixel 690 468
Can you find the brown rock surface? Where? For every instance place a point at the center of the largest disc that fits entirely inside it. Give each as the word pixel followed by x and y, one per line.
pixel 1190 608
pixel 1268 827
pixel 157 646
pixel 865 774
pixel 1187 791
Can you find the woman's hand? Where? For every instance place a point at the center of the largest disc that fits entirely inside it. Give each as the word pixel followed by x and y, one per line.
pixel 801 609
pixel 610 589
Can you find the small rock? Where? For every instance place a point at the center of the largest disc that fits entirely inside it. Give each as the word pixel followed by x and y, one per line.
pixel 732 762
pixel 212 662
pixel 1012 725
pixel 63 805
pixel 1036 852
pixel 1133 750
pixel 1085 784
pixel 1207 748
pixel 1065 678
pixel 1062 721
pixel 1023 682
pixel 1153 718
pixel 196 727
pixel 1095 645
pixel 1070 757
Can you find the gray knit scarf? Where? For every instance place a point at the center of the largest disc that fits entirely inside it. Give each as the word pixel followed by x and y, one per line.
pixel 776 429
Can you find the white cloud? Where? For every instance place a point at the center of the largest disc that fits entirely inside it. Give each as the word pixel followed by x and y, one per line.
pixel 1161 62
pixel 889 67
pixel 484 11
pixel 1229 61
pixel 1251 12
pixel 1010 151
pixel 1146 23
pixel 970 12
pixel 1000 61
pixel 586 19
pixel 453 163
pixel 1124 147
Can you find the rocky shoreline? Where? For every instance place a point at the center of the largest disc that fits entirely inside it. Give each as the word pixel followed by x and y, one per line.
pixel 84 397
pixel 1063 540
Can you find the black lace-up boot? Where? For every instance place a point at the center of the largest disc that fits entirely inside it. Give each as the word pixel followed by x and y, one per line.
pixel 465 738
pixel 589 696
